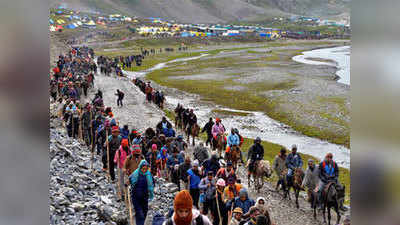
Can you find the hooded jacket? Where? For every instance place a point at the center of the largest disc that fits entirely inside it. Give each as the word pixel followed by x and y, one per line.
pixel 135 175
pixel 244 205
pixel 195 214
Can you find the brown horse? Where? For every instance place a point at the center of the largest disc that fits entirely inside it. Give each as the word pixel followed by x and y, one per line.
pixel 194 132
pixel 262 168
pixel 220 144
pixel 234 156
pixel 296 182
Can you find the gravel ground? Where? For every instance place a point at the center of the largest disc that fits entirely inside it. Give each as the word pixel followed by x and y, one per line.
pixel 136 113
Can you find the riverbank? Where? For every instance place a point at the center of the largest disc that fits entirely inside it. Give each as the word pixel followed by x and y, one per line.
pixel 266 79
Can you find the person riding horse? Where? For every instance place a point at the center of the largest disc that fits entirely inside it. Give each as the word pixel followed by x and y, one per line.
pixel 192 120
pixel 293 161
pixel 328 173
pixel 208 128
pixel 256 153
pixel 233 142
pixel 164 127
pixel 217 129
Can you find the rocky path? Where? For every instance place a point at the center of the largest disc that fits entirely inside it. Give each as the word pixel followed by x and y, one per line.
pixel 140 115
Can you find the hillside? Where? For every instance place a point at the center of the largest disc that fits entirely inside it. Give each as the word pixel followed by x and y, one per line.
pixel 212 11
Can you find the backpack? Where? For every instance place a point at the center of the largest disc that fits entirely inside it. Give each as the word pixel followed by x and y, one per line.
pixel 122 95
pixel 199 221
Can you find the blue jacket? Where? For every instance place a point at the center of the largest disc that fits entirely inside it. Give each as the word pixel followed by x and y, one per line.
pixel 194 179
pixel 244 205
pixel 233 139
pixel 133 178
pixel 328 172
pixel 171 161
pixel 124 133
pixel 294 161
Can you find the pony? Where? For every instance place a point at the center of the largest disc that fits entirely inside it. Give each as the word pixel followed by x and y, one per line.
pixel 194 132
pixel 233 156
pixel 295 183
pixel 262 169
pixel 332 196
pixel 219 144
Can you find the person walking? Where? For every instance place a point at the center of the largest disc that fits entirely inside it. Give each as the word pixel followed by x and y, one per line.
pixel 120 96
pixel 194 176
pixel 119 159
pixel 142 191
pixel 184 213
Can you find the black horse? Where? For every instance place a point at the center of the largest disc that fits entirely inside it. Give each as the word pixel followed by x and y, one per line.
pixel 332 196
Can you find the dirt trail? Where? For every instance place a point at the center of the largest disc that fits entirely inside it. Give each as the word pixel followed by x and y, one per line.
pixel 141 115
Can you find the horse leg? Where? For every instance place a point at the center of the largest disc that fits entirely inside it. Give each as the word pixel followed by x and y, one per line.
pixel 193 140
pixel 323 213
pixel 329 215
pixel 337 214
pixel 297 191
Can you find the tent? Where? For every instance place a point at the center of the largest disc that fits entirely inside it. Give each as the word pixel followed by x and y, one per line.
pixel 71 26
pixel 51 21
pixel 185 34
pixel 52 28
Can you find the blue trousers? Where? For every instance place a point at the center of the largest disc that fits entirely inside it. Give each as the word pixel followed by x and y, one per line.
pixel 141 207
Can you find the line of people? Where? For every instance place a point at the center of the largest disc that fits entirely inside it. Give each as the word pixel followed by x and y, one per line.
pixel 152 95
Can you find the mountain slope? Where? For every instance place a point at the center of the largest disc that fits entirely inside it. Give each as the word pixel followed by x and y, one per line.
pixel 211 11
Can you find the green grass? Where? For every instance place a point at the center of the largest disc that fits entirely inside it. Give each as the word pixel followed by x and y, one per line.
pixel 248 99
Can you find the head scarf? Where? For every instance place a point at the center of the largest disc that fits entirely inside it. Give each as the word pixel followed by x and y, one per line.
pixel 183 200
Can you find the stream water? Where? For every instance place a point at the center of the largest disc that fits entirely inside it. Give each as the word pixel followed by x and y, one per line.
pixel 339 55
pixel 254 124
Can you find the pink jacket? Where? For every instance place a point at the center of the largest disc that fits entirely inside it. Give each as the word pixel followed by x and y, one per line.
pixel 122 158
pixel 217 129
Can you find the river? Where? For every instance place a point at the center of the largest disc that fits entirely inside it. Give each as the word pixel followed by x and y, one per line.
pixel 255 124
pixel 339 55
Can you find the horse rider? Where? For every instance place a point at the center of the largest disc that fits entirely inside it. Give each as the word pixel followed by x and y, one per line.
pixel 163 126
pixel 293 161
pixel 256 153
pixel 192 120
pixel 233 140
pixel 218 128
pixel 328 172
pixel 208 128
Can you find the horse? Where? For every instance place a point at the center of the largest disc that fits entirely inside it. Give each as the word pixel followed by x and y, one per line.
pixel 219 144
pixel 296 183
pixel 194 132
pixel 261 168
pixel 233 156
pixel 331 197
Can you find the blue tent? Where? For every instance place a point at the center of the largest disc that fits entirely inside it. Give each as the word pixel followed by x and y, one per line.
pixel 71 26
pixel 263 34
pixel 51 21
pixel 185 34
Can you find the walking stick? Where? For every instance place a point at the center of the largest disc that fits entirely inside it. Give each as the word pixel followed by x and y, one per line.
pixel 80 133
pixel 108 156
pixel 130 207
pixel 91 141
pixel 118 183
